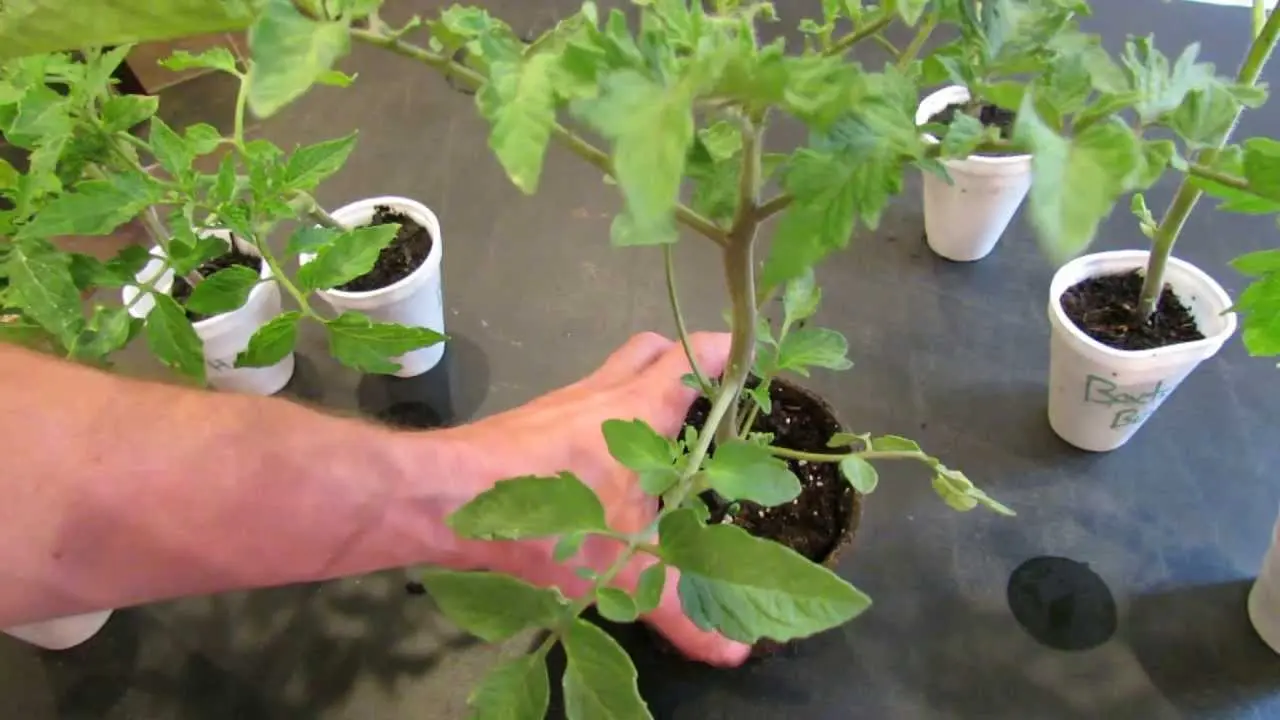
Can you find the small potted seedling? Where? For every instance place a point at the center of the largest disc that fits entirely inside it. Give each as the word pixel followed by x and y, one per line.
pixel 983 178
pixel 763 471
pixel 1128 326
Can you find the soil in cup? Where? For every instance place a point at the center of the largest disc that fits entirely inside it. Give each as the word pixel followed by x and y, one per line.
pixel 1106 309
pixel 182 289
pixel 815 522
pixel 988 115
pixel 398 260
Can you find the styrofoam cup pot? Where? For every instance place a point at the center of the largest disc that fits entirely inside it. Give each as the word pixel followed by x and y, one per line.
pixel 225 336
pixel 964 219
pixel 61 633
pixel 1264 596
pixel 1099 396
pixel 416 300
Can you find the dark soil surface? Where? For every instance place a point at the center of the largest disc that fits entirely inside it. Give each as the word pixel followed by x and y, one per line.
pixel 182 289
pixel 990 115
pixel 397 260
pixel 812 524
pixel 1105 308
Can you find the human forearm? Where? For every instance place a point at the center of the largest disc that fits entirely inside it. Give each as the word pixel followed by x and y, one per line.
pixel 121 492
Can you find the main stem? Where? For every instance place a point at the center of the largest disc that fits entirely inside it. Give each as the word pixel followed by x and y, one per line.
pixel 1188 194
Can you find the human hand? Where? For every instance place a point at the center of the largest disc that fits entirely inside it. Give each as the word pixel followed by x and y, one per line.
pixel 561 431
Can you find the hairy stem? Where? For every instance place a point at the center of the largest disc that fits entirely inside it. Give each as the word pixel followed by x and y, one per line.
pixel 242 99
pixel 858 35
pixel 574 142
pixel 1217 176
pixel 1184 201
pixel 668 256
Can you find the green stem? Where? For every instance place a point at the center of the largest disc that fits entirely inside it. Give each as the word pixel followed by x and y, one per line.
pixel 1188 194
pixel 277 273
pixel 1259 16
pixel 889 47
pixel 1219 177
pixel 922 36
pixel 668 256
pixel 571 140
pixel 773 206
pixel 860 34
pixel 242 98
pixel 750 420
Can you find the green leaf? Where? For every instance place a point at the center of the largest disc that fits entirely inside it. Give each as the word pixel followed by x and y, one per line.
pixel 963 136
pixel 223 291
pixel 760 395
pixel 310 238
pixel 861 474
pixel 599 680
pixel 310 165
pixel 290 52
pixel 743 471
pixel 749 588
pixel 216 58
pixel 184 257
pixel 616 605
pixel 1160 88
pixel 336 78
pixel 1259 304
pixel 651 128
pixel 801 298
pixel 804 348
pixel 568 546
pixel 348 256
pixel 224 186
pixel 894 443
pixel 202 138
pixel 95 207
pixel 492 606
pixel 530 507
pixel 517 689
pixel 1097 166
pixel 649 588
pixel 361 344
pixel 170 149
pixel 40 282
pixel 42 114
pixel 32 28
pixel 122 112
pixel 638 447
pixel 844 440
pixel 173 340
pixel 108 330
pixel 272 342
pixel 911 10
pixel 519 102
pixel 1156 156
pixel 1205 117
pixel 1262 166
pixel 849 177
pixel 9 176
pixel 954 494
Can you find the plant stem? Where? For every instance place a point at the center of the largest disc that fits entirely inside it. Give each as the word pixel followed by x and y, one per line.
pixel 922 36
pixel 668 256
pixel 750 420
pixel 1259 16
pixel 1188 194
pixel 242 97
pixel 585 150
pixel 151 218
pixel 860 34
pixel 773 206
pixel 889 47
pixel 1217 176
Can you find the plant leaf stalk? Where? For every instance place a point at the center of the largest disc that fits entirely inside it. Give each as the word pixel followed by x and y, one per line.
pixel 1188 194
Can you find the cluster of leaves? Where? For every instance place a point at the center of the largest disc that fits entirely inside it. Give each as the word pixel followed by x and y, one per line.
pixel 86 177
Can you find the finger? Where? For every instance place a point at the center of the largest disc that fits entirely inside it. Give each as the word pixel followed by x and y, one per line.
pixel 711 350
pixel 666 397
pixel 709 647
pixel 638 353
